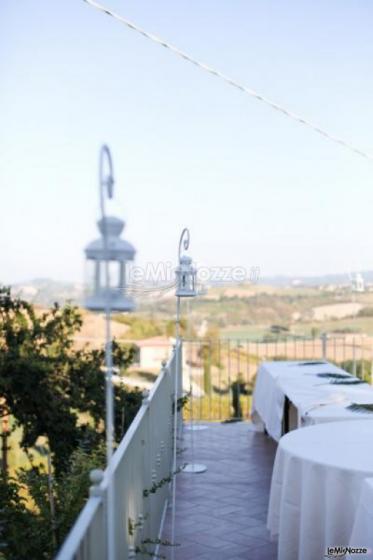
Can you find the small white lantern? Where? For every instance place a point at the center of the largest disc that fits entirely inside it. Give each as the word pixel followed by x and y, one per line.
pixel 116 253
pixel 185 272
pixel 108 255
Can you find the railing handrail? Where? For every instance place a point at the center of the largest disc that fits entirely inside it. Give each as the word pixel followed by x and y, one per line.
pixel 127 438
pixel 81 527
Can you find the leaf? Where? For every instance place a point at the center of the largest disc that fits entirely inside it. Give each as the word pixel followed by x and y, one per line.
pixel 360 407
pixel 353 381
pixel 310 364
pixel 334 375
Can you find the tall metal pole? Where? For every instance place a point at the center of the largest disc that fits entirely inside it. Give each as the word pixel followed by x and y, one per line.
pixel 107 183
pixel 174 458
pixel 183 243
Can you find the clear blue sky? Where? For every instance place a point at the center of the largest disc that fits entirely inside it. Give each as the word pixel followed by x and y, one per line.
pixel 254 188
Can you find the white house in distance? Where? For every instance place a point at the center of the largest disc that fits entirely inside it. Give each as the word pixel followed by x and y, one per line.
pixel 152 352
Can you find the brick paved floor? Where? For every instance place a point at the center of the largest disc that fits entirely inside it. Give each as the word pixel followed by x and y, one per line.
pixel 221 514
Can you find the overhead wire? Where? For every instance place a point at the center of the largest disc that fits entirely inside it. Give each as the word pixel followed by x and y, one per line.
pixel 234 83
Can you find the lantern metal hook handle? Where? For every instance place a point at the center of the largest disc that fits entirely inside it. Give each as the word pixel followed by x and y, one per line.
pixel 184 241
pixel 106 179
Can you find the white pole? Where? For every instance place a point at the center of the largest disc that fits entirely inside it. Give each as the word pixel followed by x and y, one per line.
pixel 109 436
pixel 191 388
pixel 107 182
pixel 174 459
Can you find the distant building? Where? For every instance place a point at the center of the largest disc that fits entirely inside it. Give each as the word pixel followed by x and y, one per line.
pixel 151 352
pixel 357 283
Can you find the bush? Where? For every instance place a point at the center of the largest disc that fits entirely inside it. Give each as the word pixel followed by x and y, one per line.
pixel 366 312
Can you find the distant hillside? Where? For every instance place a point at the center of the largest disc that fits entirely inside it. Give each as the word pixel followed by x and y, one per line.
pixel 323 280
pixel 45 291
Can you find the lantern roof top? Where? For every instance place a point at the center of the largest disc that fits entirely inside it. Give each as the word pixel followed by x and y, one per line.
pixel 111 225
pixel 117 248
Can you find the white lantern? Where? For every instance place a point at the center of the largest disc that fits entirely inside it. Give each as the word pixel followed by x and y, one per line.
pixel 115 254
pixel 185 272
pixel 108 256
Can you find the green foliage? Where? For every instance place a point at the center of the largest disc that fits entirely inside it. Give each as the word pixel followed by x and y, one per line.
pixel 362 368
pixel 181 402
pixel 46 382
pixel 209 352
pixel 139 327
pixel 239 388
pixel 34 375
pixel 346 382
pixel 33 530
pixel 363 408
pixel 157 485
pixel 169 328
pixel 207 385
pixel 346 330
pixel 72 488
pixel 144 550
pixel 22 534
pixel 47 386
pixel 146 327
pixel 333 375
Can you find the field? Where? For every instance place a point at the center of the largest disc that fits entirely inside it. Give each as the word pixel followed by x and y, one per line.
pixel 353 325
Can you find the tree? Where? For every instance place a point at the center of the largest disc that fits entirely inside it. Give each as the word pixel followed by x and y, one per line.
pixel 46 383
pixel 48 387
pixel 20 529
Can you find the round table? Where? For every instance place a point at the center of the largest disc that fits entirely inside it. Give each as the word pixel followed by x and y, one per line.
pixel 362 531
pixel 316 484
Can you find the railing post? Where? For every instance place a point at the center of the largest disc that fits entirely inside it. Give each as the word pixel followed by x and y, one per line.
pixel 145 397
pixel 324 345
pixel 96 476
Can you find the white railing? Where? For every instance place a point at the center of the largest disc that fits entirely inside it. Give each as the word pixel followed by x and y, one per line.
pixel 143 458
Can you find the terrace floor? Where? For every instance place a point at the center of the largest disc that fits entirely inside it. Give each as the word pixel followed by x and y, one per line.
pixel 221 514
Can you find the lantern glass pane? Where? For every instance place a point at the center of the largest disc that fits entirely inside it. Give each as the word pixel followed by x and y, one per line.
pixel 113 274
pixel 90 277
pixel 133 274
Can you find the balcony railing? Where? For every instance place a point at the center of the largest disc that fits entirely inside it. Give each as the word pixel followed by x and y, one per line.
pixel 144 456
pixel 213 366
pixel 142 460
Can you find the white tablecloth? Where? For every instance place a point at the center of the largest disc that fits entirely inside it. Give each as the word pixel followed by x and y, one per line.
pixel 316 399
pixel 316 486
pixel 362 532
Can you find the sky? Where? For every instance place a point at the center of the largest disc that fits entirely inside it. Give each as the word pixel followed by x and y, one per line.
pixel 255 188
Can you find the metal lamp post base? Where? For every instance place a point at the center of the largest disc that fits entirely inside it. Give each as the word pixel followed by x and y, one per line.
pixel 195 427
pixel 195 468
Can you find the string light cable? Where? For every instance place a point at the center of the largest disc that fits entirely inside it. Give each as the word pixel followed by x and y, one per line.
pixel 228 80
